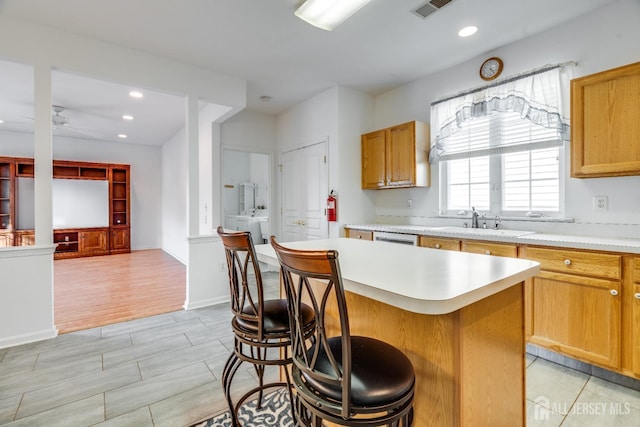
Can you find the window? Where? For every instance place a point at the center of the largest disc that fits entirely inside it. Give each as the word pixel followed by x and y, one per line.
pixel 500 148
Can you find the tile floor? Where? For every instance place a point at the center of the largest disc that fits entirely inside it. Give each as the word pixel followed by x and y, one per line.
pixel 165 370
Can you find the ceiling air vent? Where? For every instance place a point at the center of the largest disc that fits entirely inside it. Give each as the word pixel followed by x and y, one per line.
pixel 430 7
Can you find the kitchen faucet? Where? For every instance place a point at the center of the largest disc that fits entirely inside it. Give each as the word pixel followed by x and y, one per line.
pixel 474 218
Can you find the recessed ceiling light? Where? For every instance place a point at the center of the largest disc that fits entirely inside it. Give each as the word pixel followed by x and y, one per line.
pixel 1 122
pixel 122 135
pixel 136 94
pixel 468 31
pixel 127 117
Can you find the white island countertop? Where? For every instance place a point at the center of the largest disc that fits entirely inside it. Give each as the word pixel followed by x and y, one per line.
pixel 417 279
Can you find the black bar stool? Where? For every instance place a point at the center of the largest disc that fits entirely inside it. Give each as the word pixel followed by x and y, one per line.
pixel 261 327
pixel 344 379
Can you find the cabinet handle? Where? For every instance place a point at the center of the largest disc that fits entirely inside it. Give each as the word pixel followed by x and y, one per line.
pixel 637 295
pixel 613 292
pixel 567 262
pixel 437 245
pixel 487 252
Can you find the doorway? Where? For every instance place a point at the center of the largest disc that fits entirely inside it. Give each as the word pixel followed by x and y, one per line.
pixel 304 192
pixel 246 195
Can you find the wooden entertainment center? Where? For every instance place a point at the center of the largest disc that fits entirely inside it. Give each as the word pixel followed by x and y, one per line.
pixel 72 242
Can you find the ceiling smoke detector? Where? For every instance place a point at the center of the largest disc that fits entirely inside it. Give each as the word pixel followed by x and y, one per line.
pixel 430 7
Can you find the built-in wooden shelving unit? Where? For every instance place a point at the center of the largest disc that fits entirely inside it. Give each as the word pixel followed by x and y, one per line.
pixel 71 242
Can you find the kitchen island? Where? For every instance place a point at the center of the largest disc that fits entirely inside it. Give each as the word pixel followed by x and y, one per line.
pixel 459 317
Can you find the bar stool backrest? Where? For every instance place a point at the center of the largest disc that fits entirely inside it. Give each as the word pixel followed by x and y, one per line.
pixel 314 277
pixel 245 280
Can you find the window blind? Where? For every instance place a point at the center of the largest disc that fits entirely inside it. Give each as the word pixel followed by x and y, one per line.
pixel 521 114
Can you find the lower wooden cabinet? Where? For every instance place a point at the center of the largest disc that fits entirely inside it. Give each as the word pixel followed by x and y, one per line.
pixel 359 234
pixel 25 238
pixel 6 239
pixel 439 243
pixel 93 242
pixel 72 243
pixel 633 317
pixel 574 304
pixel 577 316
pixel 119 242
pixel 490 248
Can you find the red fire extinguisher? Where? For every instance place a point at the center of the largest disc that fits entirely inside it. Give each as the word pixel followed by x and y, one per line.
pixel 332 207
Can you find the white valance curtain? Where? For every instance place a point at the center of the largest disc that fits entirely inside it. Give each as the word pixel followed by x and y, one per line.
pixel 525 112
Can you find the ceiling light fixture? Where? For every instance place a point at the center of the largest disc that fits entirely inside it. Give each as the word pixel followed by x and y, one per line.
pixel 468 31
pixel 122 136
pixel 328 14
pixel 136 94
pixel 1 122
pixel 127 117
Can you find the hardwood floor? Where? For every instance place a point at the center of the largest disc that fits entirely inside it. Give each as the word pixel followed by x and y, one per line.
pixel 97 291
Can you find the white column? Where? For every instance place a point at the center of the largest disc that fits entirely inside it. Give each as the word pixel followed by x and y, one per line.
pixel 193 185
pixel 43 155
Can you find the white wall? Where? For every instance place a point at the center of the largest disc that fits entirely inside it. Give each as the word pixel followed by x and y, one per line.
pixel 311 121
pixel 174 197
pixel 26 307
pixel 355 117
pixel 251 132
pixel 603 39
pixel 341 115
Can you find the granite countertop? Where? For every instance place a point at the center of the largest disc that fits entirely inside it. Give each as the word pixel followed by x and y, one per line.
pixel 613 244
pixel 421 280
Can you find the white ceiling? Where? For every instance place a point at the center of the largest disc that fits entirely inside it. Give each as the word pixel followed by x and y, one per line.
pixel 384 45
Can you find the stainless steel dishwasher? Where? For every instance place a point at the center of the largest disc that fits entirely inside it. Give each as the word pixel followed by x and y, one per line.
pixel 404 239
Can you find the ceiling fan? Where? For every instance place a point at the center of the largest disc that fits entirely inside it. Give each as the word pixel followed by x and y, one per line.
pixel 57 119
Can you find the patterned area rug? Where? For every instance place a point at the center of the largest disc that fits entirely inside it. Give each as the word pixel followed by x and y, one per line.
pixel 275 411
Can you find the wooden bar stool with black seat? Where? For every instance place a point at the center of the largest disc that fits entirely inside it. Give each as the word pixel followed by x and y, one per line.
pixel 261 327
pixel 347 380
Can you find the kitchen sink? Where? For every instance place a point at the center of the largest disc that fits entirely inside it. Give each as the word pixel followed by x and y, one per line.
pixel 483 231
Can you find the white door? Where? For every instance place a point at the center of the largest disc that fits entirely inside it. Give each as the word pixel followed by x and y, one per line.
pixel 304 193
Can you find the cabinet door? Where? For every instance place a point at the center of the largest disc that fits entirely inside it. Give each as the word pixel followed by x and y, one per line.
pixel 578 316
pixel 373 155
pixel 401 156
pixel 634 322
pixel 439 243
pixel 93 242
pixel 490 248
pixel 605 130
pixel 25 238
pixel 120 240
pixel 6 240
pixel 359 234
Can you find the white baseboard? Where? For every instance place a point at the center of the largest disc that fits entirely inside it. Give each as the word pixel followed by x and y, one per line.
pixel 28 338
pixel 192 305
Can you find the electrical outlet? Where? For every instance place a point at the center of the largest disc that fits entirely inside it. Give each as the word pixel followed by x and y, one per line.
pixel 223 266
pixel 410 203
pixel 600 203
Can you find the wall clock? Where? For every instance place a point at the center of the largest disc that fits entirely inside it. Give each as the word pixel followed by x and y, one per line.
pixel 491 68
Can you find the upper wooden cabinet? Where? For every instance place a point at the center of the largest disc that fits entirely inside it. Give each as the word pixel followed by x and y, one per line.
pixel 605 123
pixel 396 157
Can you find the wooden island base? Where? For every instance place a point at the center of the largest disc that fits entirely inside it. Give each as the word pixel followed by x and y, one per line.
pixel 469 364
